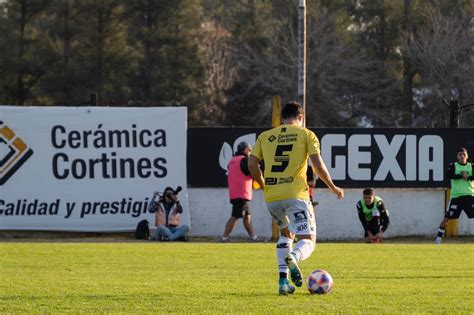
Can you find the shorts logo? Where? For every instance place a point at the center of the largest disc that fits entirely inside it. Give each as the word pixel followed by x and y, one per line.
pixel 300 217
pixel 13 152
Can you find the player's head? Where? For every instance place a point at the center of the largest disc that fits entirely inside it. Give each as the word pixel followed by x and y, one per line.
pixel 293 111
pixel 243 148
pixel 368 194
pixel 462 155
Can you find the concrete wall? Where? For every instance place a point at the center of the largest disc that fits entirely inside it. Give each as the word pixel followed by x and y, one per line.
pixel 412 212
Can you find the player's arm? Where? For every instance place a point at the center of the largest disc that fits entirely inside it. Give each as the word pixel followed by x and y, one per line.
pixel 384 216
pixel 244 166
pixel 362 219
pixel 310 177
pixel 472 176
pixel 450 174
pixel 323 173
pixel 255 170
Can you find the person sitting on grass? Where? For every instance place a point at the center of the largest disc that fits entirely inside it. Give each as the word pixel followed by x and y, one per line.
pixel 168 212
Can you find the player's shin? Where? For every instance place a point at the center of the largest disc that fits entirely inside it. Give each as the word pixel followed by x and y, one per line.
pixel 283 247
pixel 441 232
pixel 303 249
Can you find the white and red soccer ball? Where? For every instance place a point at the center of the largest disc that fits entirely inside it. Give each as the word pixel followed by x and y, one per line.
pixel 319 282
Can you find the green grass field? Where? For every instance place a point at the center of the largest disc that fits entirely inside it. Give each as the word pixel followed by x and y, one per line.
pixel 145 277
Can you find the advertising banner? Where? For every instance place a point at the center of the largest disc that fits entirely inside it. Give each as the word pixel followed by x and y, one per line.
pixel 88 168
pixel 355 157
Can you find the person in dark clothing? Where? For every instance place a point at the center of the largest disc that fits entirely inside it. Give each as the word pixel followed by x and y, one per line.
pixel 462 191
pixel 373 215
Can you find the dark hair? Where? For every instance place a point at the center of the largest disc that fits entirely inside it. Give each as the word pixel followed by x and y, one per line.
pixel 241 147
pixel 168 189
pixel 368 192
pixel 462 150
pixel 291 110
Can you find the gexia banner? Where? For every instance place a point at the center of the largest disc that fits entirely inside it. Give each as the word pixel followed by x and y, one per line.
pixel 88 168
pixel 355 157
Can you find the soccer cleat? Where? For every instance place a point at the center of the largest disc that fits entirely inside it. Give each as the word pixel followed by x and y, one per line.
pixel 295 271
pixel 438 240
pixel 284 287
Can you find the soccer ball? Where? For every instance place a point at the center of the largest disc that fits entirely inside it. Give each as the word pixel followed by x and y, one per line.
pixel 319 282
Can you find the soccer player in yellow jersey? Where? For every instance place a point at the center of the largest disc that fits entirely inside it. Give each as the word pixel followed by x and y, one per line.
pixel 285 150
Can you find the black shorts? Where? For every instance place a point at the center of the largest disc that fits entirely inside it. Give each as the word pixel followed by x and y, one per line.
pixel 240 207
pixel 457 205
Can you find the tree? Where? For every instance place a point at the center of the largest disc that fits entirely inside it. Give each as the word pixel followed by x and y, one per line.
pixel 25 48
pixel 220 72
pixel 104 49
pixel 441 49
pixel 167 67
pixel 146 20
pixel 88 40
pixel 342 82
pixel 66 81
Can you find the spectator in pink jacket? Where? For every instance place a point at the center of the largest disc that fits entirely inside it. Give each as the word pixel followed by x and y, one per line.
pixel 240 191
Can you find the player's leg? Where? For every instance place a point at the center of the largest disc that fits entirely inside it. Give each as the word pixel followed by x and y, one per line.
pixel 441 230
pixel 453 211
pixel 283 246
pixel 468 206
pixel 374 228
pixel 237 213
pixel 228 228
pixel 249 227
pixel 303 224
pixel 247 220
pixel 366 237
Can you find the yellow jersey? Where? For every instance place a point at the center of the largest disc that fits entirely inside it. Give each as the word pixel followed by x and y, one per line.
pixel 285 151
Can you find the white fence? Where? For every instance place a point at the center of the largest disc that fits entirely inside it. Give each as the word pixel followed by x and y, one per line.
pixel 412 212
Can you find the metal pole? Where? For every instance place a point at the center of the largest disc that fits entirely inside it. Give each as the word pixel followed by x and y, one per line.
pixel 302 53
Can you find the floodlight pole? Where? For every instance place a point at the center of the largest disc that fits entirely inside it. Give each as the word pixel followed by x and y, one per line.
pixel 302 54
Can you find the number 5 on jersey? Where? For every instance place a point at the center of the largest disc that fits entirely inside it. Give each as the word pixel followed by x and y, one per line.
pixel 281 158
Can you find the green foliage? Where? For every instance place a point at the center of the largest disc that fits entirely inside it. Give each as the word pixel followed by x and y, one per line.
pixel 164 37
pixel 195 278
pixel 367 61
